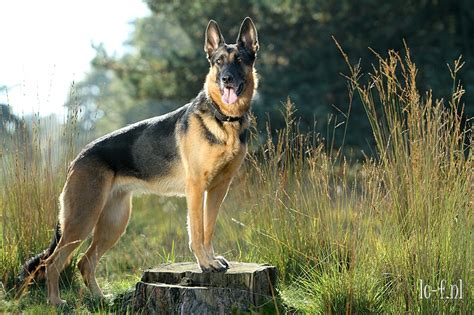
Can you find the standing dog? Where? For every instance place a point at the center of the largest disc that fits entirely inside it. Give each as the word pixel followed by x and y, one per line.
pixel 194 151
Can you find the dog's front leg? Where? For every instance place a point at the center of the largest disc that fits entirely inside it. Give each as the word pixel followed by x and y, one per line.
pixel 195 199
pixel 215 195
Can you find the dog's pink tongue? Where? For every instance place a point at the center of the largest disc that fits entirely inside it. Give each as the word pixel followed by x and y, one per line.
pixel 229 96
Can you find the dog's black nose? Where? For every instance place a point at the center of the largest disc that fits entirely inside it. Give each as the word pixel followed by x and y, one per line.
pixel 227 79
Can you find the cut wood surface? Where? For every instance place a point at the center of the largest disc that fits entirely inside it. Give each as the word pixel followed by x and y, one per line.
pixel 181 288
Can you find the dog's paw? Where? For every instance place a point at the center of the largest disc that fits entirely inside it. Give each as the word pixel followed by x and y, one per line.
pixel 213 266
pixel 223 261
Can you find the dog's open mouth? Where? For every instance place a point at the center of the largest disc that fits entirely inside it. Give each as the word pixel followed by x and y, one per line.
pixel 229 94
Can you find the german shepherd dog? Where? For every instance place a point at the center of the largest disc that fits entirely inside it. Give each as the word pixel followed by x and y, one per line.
pixel 193 151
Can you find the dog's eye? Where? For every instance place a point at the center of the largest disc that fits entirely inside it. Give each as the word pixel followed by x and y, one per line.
pixel 238 59
pixel 219 61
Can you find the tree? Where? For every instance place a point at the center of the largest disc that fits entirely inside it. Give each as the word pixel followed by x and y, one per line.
pixel 9 122
pixel 298 57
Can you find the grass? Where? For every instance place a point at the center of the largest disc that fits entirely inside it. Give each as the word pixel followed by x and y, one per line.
pixel 346 237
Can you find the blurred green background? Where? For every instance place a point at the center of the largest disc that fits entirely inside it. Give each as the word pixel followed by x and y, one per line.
pixel 165 65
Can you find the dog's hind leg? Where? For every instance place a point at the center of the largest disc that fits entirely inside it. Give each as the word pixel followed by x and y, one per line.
pixel 82 200
pixel 111 225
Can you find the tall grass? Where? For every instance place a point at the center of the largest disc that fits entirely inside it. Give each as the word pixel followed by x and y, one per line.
pixel 346 237
pixel 33 167
pixel 426 168
pixel 361 238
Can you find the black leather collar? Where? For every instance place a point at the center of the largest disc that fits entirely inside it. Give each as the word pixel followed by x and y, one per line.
pixel 220 116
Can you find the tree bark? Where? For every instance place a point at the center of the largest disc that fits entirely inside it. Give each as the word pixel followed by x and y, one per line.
pixel 181 288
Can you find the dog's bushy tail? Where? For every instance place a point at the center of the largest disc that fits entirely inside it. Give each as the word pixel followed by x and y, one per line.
pixel 34 266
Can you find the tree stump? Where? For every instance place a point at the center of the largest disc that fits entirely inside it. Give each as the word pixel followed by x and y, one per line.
pixel 181 288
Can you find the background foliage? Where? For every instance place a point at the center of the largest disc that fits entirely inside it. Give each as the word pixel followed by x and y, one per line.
pixel 166 65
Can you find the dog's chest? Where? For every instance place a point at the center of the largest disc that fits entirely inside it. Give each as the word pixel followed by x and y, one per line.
pixel 232 147
pixel 227 156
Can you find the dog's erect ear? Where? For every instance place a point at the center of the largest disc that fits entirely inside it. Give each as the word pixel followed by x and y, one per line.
pixel 248 36
pixel 213 39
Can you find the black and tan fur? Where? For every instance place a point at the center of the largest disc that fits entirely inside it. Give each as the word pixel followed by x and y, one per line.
pixel 194 151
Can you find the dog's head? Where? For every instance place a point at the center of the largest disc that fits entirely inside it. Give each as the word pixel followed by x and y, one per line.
pixel 231 78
